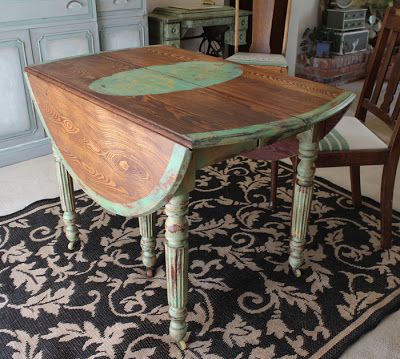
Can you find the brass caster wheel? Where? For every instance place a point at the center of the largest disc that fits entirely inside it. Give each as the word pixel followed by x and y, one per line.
pixel 71 246
pixel 272 206
pixel 150 272
pixel 182 344
pixel 297 273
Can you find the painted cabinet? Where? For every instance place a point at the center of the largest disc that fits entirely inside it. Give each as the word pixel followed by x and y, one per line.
pixel 122 24
pixel 35 31
pixel 18 123
pixel 53 43
pixel 115 35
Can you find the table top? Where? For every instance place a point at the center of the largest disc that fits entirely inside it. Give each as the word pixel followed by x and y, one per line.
pixel 193 99
pixel 129 125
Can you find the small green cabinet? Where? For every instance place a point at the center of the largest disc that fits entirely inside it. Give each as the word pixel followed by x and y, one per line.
pixel 35 31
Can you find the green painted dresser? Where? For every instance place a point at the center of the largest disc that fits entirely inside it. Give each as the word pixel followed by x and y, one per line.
pixel 169 25
pixel 35 31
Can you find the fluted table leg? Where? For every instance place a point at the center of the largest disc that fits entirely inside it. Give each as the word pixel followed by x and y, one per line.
pixel 302 198
pixel 176 257
pixel 148 243
pixel 65 183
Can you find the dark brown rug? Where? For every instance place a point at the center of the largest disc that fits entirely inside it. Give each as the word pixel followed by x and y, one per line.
pixel 243 301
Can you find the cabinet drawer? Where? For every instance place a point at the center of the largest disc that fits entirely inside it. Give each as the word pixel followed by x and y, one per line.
pixel 57 42
pixel 119 6
pixel 172 31
pixel 230 38
pixel 243 23
pixel 29 12
pixel 122 33
pixel 357 14
pixel 354 24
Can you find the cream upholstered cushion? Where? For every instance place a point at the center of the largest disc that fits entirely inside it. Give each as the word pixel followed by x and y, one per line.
pixel 259 59
pixel 350 134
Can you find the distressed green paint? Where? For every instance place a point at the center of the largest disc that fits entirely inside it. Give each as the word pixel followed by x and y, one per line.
pixel 302 198
pixel 273 130
pixel 170 181
pixel 161 79
pixel 67 203
pixel 176 261
pixel 329 109
pixel 148 242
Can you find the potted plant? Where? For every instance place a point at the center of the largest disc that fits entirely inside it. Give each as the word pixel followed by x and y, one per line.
pixel 317 42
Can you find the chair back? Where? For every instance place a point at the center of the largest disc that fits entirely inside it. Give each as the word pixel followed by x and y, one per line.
pixel 379 94
pixel 263 13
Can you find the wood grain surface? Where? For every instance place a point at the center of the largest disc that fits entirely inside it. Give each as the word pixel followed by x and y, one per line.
pixel 117 159
pixel 258 97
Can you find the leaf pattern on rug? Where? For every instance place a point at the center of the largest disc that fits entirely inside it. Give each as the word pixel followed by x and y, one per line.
pixel 244 301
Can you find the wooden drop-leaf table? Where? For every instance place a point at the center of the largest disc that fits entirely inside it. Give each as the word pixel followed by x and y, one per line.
pixel 134 126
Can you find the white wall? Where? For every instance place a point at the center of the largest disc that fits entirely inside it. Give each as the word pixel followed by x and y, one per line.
pixel 304 14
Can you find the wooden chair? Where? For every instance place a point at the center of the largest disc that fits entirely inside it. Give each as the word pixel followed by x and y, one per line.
pixel 260 52
pixel 351 143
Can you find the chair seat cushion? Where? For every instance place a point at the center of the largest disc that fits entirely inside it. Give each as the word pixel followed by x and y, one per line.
pixel 259 59
pixel 350 134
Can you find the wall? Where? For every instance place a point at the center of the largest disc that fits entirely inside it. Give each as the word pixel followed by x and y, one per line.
pixel 304 14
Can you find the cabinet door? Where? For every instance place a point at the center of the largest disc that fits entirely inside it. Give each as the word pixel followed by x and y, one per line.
pixel 18 123
pixel 122 33
pixel 53 43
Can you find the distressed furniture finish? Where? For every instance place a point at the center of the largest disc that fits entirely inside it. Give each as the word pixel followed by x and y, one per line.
pixel 122 24
pixel 35 31
pixel 134 126
pixel 169 25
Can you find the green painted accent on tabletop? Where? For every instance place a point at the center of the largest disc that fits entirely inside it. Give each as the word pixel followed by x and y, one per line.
pixel 161 79
pixel 277 129
pixel 329 109
pixel 334 141
pixel 169 183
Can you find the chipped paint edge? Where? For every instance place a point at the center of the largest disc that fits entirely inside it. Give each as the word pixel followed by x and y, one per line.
pixel 274 130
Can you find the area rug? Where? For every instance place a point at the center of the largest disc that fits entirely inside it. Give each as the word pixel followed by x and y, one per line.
pixel 244 302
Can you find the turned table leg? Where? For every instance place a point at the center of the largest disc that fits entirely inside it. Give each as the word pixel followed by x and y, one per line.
pixel 67 203
pixel 148 243
pixel 176 257
pixel 302 198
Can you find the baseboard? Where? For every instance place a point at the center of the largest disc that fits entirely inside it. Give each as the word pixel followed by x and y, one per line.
pixel 23 152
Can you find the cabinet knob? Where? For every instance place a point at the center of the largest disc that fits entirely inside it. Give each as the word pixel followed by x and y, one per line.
pixel 74 4
pixel 118 2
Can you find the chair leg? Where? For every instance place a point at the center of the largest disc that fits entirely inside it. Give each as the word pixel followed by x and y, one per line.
pixel 387 189
pixel 274 184
pixel 355 186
